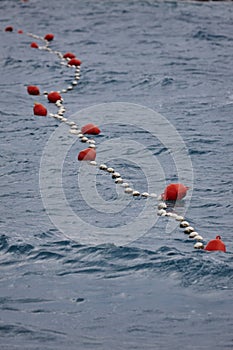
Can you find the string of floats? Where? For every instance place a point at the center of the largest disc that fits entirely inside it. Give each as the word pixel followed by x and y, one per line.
pixel 173 192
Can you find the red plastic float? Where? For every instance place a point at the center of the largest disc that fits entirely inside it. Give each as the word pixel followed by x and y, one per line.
pixel 54 96
pixel 39 109
pixel 9 29
pixel 74 62
pixel 33 90
pixel 216 244
pixel 90 129
pixel 69 55
pixel 34 45
pixel 20 31
pixel 174 192
pixel 87 154
pixel 49 37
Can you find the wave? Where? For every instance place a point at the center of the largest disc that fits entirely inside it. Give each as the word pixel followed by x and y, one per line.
pixel 197 268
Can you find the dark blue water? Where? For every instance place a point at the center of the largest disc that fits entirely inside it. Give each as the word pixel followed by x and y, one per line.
pixel 156 292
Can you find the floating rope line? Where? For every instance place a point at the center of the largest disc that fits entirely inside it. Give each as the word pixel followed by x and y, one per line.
pixel 172 192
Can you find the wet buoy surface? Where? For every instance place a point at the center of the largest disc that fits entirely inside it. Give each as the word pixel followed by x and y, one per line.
pixel 87 154
pixel 9 29
pixel 53 96
pixel 34 45
pixel 49 37
pixel 90 129
pixel 39 109
pixel 216 244
pixel 174 192
pixel 74 62
pixel 69 55
pixel 33 90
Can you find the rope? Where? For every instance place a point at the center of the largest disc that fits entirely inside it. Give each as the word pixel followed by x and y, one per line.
pixel 68 60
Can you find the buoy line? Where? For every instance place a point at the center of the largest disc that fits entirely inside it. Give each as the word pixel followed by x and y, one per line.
pixel 172 192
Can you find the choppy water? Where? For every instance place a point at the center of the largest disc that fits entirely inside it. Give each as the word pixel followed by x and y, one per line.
pixel 157 292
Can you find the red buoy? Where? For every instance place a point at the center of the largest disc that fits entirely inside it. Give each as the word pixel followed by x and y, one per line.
pixel 87 154
pixel 9 29
pixel 69 55
pixel 34 45
pixel 20 31
pixel 216 244
pixel 174 192
pixel 49 37
pixel 39 109
pixel 74 62
pixel 54 96
pixel 90 129
pixel 33 90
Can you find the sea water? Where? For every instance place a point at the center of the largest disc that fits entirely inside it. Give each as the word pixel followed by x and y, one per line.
pixel 153 291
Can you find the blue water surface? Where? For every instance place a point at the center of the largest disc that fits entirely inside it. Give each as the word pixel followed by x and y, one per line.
pixel 156 292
